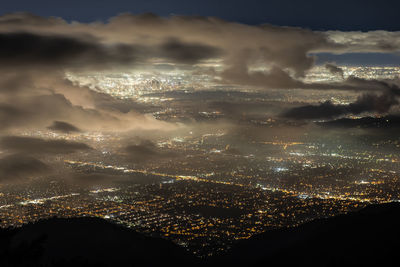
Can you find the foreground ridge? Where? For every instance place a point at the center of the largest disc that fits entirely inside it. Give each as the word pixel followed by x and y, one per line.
pixel 367 237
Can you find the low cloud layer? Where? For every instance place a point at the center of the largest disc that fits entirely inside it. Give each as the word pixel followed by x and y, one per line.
pixel 36 53
pixel 32 145
pixel 365 103
pixel 284 52
pixel 145 150
pixel 64 127
pixel 18 167
pixel 27 49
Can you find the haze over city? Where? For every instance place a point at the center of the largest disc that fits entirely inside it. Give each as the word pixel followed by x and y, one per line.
pixel 203 124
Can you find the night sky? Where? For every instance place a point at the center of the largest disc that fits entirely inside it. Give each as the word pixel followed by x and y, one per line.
pixel 317 15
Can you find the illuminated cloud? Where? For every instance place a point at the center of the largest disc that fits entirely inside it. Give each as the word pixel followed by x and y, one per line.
pixel 36 53
pixel 185 39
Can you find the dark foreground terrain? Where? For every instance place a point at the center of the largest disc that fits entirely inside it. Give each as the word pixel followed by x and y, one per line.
pixel 369 237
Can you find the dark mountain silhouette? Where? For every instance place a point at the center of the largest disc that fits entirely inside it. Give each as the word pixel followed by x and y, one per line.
pixel 85 242
pixel 369 237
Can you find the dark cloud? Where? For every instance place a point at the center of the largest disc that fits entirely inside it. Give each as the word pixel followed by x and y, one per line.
pixel 18 49
pixel 18 167
pixel 327 110
pixel 322 111
pixel 146 150
pixel 188 53
pixel 40 146
pixel 334 69
pixel 390 121
pixel 63 127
